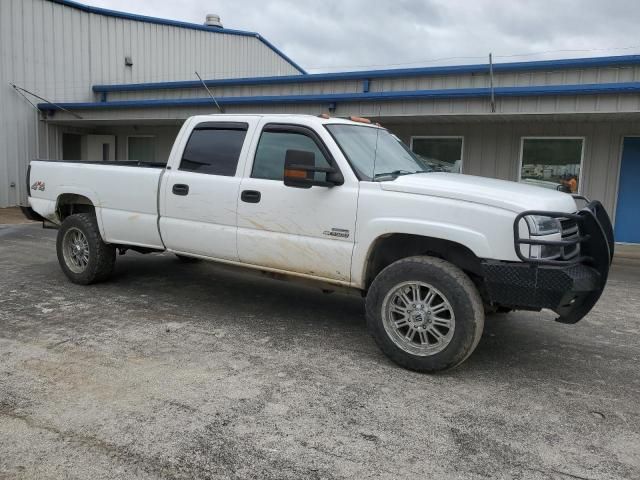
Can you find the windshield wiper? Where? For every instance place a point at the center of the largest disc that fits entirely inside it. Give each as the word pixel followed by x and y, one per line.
pixel 396 173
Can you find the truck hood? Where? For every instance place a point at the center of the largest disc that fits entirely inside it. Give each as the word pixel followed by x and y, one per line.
pixel 513 196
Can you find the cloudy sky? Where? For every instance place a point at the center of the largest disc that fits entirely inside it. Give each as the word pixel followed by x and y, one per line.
pixel 330 35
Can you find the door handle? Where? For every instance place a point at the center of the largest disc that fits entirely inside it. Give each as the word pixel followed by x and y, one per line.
pixel 180 189
pixel 250 196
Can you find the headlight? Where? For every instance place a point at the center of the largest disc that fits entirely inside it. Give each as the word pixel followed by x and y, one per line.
pixel 540 225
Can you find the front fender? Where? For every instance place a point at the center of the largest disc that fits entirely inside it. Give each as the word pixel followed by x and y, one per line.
pixel 474 240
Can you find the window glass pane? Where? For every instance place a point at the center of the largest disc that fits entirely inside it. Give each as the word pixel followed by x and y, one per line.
pixel 272 148
pixel 213 151
pixel 441 154
pixel 142 149
pixel 375 152
pixel 552 163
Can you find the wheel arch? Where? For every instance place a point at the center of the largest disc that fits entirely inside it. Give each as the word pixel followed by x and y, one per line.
pixel 72 202
pixel 391 247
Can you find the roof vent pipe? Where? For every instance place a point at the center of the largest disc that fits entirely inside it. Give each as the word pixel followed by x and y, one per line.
pixel 213 20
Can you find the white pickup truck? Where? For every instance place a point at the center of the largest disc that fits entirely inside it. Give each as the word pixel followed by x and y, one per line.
pixel 344 203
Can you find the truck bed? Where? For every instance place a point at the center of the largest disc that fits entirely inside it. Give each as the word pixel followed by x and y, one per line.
pixel 125 195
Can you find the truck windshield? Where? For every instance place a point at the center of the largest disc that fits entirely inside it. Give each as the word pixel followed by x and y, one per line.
pixel 375 153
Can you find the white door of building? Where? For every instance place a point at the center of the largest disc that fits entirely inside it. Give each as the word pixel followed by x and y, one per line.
pixel 99 148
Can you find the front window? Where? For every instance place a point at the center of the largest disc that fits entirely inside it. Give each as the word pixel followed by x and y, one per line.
pixel 375 153
pixel 272 150
pixel 552 163
pixel 442 154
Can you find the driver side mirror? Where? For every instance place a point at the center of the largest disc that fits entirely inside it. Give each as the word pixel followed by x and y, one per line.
pixel 300 169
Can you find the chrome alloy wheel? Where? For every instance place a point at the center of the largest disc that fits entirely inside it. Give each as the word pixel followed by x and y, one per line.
pixel 418 318
pixel 75 248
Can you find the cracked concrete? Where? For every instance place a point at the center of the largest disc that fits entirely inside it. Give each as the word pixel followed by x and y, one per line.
pixel 194 371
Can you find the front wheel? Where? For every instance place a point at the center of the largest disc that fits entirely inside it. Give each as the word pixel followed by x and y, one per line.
pixel 425 313
pixel 82 254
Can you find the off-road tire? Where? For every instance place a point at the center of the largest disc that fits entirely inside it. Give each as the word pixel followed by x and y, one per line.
pixel 102 256
pixel 461 294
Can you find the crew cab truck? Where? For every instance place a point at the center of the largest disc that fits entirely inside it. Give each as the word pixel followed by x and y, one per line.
pixel 345 203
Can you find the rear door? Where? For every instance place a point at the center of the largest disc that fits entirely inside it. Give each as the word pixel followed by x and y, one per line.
pixel 198 211
pixel 303 230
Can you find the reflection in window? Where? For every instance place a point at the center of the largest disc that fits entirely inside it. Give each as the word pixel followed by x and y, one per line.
pixel 552 163
pixel 272 150
pixel 214 151
pixel 443 154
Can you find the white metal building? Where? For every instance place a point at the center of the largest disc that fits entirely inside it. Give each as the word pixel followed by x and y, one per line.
pixel 572 124
pixel 58 49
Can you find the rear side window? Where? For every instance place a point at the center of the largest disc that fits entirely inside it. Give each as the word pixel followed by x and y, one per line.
pixel 214 149
pixel 272 149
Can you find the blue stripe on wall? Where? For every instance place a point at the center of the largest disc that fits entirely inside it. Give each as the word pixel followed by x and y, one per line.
pixel 391 73
pixel 544 90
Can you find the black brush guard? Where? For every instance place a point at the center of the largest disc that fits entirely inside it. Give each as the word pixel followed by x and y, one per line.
pixel 570 287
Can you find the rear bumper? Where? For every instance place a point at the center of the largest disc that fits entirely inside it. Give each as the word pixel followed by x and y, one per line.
pixel 31 214
pixel 568 287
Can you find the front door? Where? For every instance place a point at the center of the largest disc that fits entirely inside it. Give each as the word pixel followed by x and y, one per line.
pixel 627 226
pixel 305 230
pixel 198 209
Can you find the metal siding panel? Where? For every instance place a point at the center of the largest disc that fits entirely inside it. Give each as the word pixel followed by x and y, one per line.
pixel 59 52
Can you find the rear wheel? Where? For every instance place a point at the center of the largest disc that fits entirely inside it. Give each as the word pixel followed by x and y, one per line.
pixel 425 314
pixel 82 254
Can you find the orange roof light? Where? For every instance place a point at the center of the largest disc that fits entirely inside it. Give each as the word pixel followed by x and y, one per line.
pixel 359 119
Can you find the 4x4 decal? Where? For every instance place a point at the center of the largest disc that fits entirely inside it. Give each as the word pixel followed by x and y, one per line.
pixel 39 185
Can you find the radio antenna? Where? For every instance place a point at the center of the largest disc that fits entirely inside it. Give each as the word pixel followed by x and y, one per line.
pixel 20 90
pixel 209 92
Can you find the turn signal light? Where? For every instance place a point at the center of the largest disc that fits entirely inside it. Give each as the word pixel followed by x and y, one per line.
pixel 295 173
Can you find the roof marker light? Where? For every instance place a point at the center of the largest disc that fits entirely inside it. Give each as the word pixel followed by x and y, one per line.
pixel 359 119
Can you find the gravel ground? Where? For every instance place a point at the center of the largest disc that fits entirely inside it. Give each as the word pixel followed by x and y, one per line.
pixel 194 371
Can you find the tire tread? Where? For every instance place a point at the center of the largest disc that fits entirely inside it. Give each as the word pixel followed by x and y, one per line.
pixel 101 265
pixel 447 269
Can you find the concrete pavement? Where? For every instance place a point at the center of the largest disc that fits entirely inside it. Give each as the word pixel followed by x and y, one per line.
pixel 193 371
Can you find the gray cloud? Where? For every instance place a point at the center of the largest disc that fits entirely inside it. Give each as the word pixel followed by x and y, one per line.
pixel 351 34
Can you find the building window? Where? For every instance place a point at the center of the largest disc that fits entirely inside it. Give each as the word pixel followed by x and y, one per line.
pixel 272 149
pixel 552 162
pixel 213 149
pixel 443 154
pixel 141 148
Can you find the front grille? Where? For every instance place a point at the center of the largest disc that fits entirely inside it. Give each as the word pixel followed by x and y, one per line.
pixel 570 231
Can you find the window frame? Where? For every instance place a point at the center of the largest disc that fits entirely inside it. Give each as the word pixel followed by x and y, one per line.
pixel 426 137
pixel 139 136
pixel 295 129
pixel 217 125
pixel 557 137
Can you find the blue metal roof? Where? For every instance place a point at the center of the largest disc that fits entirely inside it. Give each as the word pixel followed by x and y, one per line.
pixel 176 23
pixel 390 73
pixel 543 90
